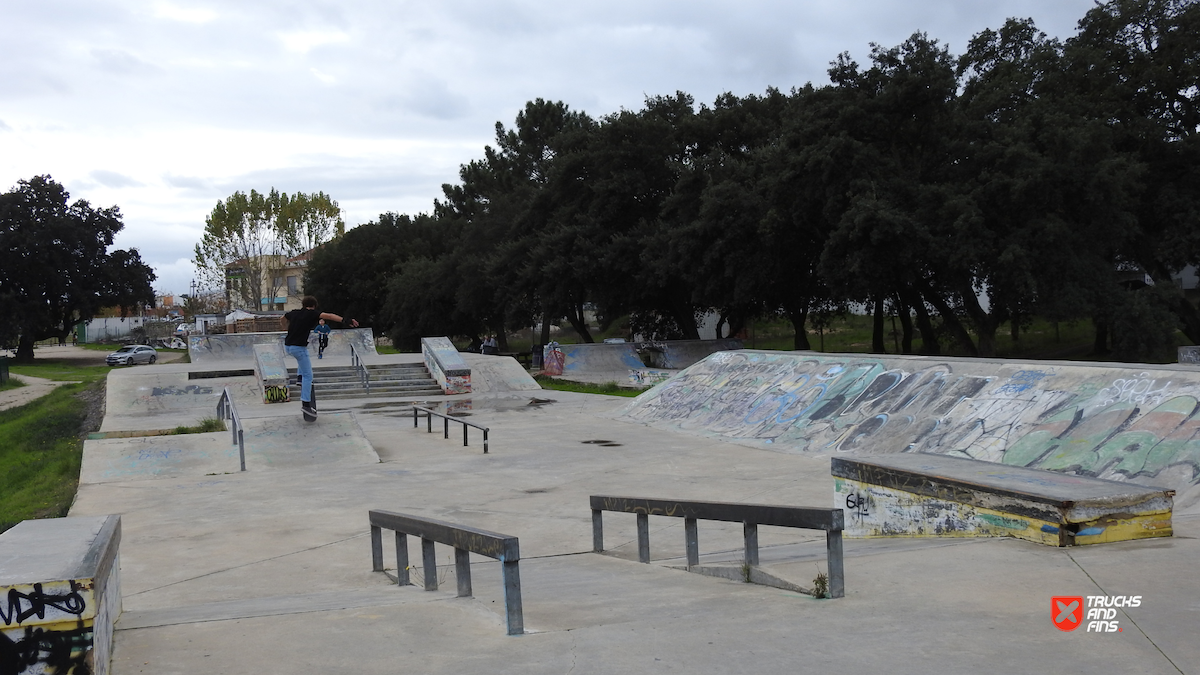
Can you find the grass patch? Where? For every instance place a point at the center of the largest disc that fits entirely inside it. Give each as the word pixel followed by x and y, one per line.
pixel 41 443
pixel 206 426
pixel 607 389
pixel 11 383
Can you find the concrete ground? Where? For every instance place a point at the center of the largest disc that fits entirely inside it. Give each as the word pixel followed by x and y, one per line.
pixel 269 570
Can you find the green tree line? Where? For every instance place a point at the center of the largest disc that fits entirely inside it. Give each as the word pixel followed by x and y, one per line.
pixel 1027 176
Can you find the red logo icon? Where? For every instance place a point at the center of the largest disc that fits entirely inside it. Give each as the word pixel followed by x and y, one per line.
pixel 1067 612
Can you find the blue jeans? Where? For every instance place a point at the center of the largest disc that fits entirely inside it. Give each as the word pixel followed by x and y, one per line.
pixel 304 368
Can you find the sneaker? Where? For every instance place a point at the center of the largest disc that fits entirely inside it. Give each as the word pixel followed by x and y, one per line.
pixel 308 408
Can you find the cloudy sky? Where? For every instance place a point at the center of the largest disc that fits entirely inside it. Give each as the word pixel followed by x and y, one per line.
pixel 165 107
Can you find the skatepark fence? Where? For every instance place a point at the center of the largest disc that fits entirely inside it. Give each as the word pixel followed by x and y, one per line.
pixel 446 419
pixel 465 540
pixel 227 411
pixel 750 515
pixel 364 376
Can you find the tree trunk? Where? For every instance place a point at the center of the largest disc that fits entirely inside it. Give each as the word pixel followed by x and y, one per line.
pixel 950 319
pixel 906 326
pixel 985 323
pixel 545 328
pixel 877 344
pixel 685 317
pixel 25 348
pixel 580 325
pixel 799 319
pixel 929 341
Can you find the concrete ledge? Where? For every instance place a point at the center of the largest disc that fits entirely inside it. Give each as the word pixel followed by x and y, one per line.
pixel 271 372
pixel 921 495
pixel 60 578
pixel 446 365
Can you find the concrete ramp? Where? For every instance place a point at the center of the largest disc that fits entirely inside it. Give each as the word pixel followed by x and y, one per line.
pixel 1124 422
pixel 277 442
pixel 239 347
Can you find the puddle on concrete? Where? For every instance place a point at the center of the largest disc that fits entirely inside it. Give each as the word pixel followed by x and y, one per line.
pixel 603 444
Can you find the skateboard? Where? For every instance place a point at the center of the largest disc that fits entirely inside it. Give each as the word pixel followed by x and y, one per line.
pixel 307 416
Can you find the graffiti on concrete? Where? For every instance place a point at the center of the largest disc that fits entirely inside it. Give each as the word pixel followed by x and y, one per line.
pixel 35 649
pixel 1081 420
pixel 190 390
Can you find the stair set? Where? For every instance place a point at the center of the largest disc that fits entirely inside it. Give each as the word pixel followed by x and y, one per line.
pixel 339 382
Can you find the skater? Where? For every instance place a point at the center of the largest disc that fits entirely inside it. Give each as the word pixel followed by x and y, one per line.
pixel 322 332
pixel 299 323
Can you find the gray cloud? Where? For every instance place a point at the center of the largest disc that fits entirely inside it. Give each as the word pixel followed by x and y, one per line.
pixel 113 179
pixel 427 80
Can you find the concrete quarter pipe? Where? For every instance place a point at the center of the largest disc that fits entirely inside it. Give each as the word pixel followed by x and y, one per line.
pixel 1117 421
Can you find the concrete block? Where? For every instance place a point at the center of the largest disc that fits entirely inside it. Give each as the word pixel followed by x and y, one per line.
pixel 271 372
pixel 914 495
pixel 446 365
pixel 61 589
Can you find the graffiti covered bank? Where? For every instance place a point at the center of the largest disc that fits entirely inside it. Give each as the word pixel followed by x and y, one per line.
pixel 1116 421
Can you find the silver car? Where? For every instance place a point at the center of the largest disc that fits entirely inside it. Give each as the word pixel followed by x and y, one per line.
pixel 131 354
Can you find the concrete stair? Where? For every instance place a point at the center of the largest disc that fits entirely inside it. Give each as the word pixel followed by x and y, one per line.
pixel 339 382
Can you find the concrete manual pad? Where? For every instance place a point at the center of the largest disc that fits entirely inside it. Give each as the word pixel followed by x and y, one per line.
pixel 165 397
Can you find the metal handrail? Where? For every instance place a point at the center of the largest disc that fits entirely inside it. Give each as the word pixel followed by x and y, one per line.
pixel 364 375
pixel 227 411
pixel 465 540
pixel 429 414
pixel 832 521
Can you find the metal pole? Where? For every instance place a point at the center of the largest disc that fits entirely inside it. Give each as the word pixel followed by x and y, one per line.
pixel 597 530
pixel 643 531
pixel 445 427
pixel 751 532
pixel 464 436
pixel 512 598
pixel 430 564
pixel 402 559
pixel 428 421
pixel 414 417
pixel 485 444
pixel 691 542
pixel 241 445
pixel 462 570
pixel 376 549
pixel 833 560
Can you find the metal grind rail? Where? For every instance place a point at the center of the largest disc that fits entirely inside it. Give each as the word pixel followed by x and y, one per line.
pixel 750 515
pixel 364 375
pixel 227 411
pixel 465 540
pixel 446 419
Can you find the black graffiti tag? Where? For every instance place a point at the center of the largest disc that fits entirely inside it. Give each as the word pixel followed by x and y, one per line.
pixel 21 606
pixel 60 651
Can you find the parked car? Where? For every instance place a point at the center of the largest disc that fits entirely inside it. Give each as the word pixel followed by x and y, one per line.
pixel 132 354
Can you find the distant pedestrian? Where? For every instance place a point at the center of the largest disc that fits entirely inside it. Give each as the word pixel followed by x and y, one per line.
pixel 75 337
pixel 489 345
pixel 299 323
pixel 322 332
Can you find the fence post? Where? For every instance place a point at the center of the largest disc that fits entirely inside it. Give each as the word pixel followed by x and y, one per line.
pixel 241 441
pixel 643 531
pixel 445 427
pixel 464 436
pixel 751 532
pixel 512 598
pixel 691 542
pixel 376 549
pixel 485 445
pixel 833 547
pixel 462 571
pixel 597 530
pixel 430 564
pixel 401 559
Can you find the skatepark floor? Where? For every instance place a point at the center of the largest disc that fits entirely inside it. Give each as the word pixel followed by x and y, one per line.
pixel 269 570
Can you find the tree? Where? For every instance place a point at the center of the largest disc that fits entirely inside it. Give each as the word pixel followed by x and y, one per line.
pixel 57 267
pixel 246 237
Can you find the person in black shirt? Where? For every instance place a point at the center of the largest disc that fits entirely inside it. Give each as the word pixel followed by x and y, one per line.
pixel 299 323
